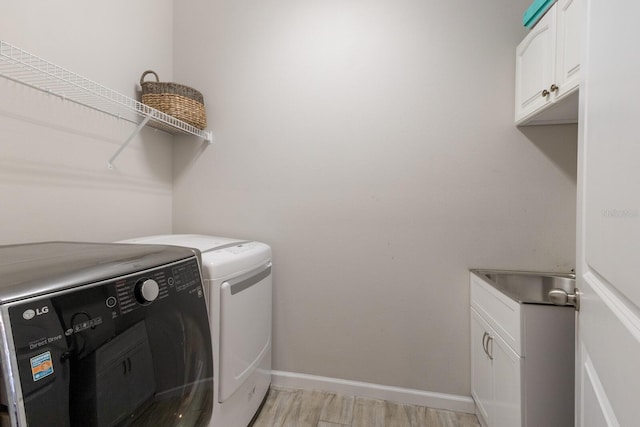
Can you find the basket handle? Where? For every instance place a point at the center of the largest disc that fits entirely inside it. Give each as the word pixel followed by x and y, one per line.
pixel 148 72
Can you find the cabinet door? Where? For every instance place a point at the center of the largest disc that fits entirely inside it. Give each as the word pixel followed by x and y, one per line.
pixel 535 66
pixel 507 396
pixel 481 376
pixel 569 22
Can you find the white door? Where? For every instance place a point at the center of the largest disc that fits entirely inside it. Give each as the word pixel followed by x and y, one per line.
pixel 608 347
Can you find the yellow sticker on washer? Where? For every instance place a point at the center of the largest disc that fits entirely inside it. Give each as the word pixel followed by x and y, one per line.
pixel 41 366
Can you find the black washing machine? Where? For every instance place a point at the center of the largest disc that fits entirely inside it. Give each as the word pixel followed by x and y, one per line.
pixel 103 335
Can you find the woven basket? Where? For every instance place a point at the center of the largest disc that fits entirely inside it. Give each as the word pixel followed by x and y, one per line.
pixel 180 101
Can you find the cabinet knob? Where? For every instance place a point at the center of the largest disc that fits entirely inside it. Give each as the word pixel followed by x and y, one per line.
pixel 553 88
pixel 545 93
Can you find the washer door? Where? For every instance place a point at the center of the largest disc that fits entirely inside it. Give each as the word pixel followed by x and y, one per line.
pixel 102 355
pixel 245 327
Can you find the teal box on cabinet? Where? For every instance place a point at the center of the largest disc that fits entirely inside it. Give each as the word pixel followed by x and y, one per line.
pixel 535 12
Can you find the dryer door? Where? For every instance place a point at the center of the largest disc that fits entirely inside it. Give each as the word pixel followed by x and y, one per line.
pixel 245 327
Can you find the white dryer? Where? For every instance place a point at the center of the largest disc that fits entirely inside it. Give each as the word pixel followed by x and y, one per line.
pixel 237 276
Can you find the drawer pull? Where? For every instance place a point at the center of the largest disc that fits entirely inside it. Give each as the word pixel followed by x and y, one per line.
pixel 486 339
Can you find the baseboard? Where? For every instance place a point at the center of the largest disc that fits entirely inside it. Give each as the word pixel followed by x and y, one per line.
pixel 407 396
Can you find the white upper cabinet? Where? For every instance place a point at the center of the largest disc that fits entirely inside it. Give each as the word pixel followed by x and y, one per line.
pixel 548 68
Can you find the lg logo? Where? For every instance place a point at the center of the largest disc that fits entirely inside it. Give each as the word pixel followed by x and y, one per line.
pixel 30 314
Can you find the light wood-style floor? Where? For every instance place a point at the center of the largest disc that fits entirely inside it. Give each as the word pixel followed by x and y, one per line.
pixel 300 408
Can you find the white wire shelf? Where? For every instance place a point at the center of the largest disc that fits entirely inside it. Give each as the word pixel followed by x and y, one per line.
pixel 33 71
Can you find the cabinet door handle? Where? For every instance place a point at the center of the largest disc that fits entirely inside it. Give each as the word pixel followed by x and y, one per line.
pixel 484 343
pixel 490 353
pixel 545 93
pixel 553 88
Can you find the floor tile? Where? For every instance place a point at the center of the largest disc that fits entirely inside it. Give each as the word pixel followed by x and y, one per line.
pixel 368 413
pixel 467 420
pixel 337 409
pixel 417 416
pixel 441 418
pixel 326 424
pixel 395 415
pixel 275 409
pixel 302 408
pixel 305 409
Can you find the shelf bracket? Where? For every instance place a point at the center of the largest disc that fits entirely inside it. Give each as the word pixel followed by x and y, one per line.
pixel 208 136
pixel 128 140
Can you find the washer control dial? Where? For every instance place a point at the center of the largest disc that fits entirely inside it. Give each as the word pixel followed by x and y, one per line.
pixel 147 291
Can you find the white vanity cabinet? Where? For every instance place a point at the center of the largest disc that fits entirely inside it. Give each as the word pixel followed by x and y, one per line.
pixel 548 67
pixel 521 360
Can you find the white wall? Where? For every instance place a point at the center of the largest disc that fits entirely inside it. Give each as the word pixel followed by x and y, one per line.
pixel 372 144
pixel 54 181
